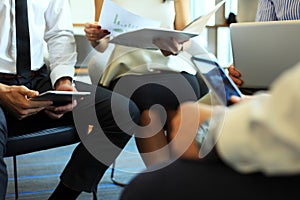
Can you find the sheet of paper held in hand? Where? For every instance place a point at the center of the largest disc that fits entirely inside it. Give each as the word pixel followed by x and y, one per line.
pixel 133 30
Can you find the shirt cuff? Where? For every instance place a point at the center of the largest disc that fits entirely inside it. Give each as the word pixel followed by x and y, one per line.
pixel 62 71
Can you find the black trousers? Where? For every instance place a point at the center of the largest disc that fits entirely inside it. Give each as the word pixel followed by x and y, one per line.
pixel 209 178
pixel 112 115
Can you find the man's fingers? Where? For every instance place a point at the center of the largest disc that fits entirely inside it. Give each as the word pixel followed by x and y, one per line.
pixel 39 104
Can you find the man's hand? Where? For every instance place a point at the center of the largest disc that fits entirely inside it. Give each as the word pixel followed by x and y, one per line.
pixel 56 112
pixel 16 100
pixel 235 75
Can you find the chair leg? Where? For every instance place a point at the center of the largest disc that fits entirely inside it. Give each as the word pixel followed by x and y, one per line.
pixel 95 195
pixel 112 176
pixel 15 177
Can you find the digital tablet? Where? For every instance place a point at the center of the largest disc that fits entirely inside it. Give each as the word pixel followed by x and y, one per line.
pixel 60 97
pixel 221 86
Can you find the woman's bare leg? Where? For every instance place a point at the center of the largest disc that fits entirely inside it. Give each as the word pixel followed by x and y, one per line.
pixel 152 143
pixel 182 129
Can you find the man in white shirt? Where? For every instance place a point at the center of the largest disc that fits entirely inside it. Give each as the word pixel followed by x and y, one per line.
pixel 50 21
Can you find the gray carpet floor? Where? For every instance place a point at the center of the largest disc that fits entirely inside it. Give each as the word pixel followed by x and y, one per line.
pixel 38 173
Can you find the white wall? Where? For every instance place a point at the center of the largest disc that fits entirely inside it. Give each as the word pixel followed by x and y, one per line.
pixel 82 11
pixel 246 10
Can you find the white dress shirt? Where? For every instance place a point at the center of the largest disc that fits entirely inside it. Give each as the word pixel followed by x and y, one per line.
pixel 50 21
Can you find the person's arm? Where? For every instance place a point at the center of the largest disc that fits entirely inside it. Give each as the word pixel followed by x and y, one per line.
pixel 62 52
pixel 265 11
pixel 93 31
pixel 60 40
pixel 182 9
pixel 173 47
pixel 98 7
pixel 262 133
pixel 185 124
pixel 16 100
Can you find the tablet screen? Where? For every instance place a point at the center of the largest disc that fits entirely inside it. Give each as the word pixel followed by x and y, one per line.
pixel 217 80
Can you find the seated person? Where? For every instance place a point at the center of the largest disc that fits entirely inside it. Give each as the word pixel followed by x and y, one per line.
pixel 254 145
pixel 148 76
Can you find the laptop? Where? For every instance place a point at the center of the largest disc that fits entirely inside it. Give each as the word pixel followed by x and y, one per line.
pixel 263 50
pixel 216 79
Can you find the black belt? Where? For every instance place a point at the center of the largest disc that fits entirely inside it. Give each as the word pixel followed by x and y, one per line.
pixel 13 76
pixel 16 76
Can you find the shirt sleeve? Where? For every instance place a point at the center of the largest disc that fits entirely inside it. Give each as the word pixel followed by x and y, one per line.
pixel 60 40
pixel 265 11
pixel 270 10
pixel 262 134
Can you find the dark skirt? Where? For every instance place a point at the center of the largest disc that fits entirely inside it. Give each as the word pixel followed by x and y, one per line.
pixel 168 89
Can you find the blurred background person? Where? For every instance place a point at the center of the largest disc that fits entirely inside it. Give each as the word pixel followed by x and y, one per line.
pixel 254 145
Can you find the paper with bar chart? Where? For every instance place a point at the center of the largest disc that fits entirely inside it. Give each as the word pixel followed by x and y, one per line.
pixel 119 20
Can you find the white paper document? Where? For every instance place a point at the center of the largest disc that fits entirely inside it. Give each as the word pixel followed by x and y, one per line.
pixel 135 31
pixel 143 38
pixel 119 20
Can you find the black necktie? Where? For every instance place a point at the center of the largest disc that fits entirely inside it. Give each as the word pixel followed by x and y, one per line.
pixel 22 38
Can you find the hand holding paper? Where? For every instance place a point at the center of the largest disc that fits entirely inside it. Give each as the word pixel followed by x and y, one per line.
pixel 169 46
